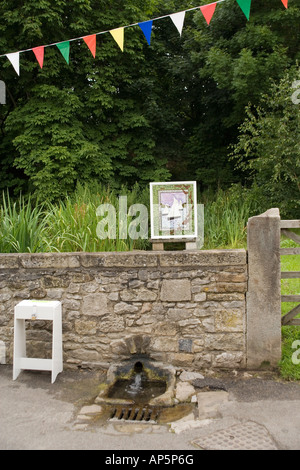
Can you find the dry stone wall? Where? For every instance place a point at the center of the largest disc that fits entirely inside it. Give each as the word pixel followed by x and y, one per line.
pixel 183 308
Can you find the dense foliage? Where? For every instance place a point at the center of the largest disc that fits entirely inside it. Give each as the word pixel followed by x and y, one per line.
pixel 171 110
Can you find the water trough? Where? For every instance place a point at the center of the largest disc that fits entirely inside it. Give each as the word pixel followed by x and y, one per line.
pixel 136 383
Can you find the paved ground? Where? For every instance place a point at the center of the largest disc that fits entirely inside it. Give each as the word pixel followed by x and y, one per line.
pixel 37 415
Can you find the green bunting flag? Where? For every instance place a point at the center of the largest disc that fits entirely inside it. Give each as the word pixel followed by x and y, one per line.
pixel 64 48
pixel 245 6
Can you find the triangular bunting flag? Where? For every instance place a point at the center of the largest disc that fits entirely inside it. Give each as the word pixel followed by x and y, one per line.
pixel 64 48
pixel 208 11
pixel 178 20
pixel 146 27
pixel 285 2
pixel 39 54
pixel 245 6
pixel 91 43
pixel 14 59
pixel 118 35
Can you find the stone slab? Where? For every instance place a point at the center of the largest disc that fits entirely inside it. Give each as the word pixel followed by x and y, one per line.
pixel 204 258
pixel 209 403
pixel 176 290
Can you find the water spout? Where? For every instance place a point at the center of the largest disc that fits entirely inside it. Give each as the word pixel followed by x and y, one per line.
pixel 136 386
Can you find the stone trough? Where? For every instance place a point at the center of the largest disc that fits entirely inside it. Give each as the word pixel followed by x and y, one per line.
pixel 133 378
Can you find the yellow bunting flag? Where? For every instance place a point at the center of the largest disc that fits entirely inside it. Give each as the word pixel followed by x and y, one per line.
pixel 118 35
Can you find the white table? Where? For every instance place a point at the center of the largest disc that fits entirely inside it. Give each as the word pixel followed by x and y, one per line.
pixel 37 310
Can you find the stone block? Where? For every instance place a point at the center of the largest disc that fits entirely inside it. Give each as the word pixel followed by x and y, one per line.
pixel 164 328
pixel 179 314
pixel 83 327
pixel 111 324
pixel 164 344
pixel 71 304
pixel 130 260
pixel 187 376
pixel 90 410
pixel 180 359
pixel 176 290
pixel 9 261
pixel 49 260
pixel 200 297
pixel 264 290
pixel 123 307
pixel 229 360
pixel 95 305
pixel 204 258
pixel 225 341
pixel 229 320
pixel 185 345
pixel 224 287
pixel 137 295
pixel 184 391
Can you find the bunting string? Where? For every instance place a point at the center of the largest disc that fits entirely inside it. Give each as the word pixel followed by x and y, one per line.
pixel 118 33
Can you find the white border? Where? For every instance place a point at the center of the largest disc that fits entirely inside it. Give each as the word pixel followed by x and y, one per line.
pixel 171 237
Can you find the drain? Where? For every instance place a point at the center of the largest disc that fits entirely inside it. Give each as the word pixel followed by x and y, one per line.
pixel 131 413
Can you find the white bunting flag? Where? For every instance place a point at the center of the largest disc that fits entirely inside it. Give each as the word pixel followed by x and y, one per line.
pixel 178 20
pixel 14 59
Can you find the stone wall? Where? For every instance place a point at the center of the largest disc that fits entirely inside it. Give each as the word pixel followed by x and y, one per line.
pixel 182 308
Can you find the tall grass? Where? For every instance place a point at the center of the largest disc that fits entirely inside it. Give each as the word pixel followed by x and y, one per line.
pixel 23 228
pixel 67 226
pixel 225 217
pixel 290 334
pixel 70 225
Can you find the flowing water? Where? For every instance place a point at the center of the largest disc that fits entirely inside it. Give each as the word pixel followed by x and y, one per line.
pixel 138 388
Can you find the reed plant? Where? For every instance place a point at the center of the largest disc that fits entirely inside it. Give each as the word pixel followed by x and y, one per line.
pixel 67 226
pixel 23 227
pixel 225 217
pixel 70 225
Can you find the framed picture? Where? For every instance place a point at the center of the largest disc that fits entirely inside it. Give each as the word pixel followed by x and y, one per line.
pixel 173 210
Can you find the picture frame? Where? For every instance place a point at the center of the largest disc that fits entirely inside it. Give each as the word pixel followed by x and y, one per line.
pixel 173 208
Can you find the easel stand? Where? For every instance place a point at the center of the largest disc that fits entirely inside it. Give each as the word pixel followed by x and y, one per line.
pixel 158 243
pixel 37 310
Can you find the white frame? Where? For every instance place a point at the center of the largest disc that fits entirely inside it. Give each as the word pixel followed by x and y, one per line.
pixel 171 237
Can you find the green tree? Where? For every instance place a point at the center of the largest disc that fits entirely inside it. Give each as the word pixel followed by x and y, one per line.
pixel 171 109
pixel 227 65
pixel 81 121
pixel 268 147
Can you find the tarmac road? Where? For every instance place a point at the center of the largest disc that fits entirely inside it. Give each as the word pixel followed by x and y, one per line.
pixel 35 415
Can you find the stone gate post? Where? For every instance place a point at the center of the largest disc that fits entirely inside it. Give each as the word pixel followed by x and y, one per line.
pixel 264 290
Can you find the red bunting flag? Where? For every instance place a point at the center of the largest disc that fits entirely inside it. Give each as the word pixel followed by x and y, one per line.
pixel 208 11
pixel 91 43
pixel 285 2
pixel 39 54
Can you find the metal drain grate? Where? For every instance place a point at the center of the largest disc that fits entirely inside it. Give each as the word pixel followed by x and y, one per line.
pixel 135 414
pixel 245 436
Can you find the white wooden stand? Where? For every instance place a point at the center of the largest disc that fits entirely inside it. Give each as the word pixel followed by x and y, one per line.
pixel 37 310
